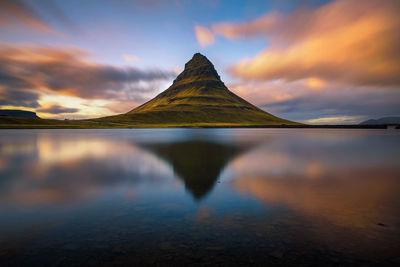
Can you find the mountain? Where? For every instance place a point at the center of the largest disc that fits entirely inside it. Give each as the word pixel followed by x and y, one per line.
pixel 197 97
pixel 18 113
pixel 385 120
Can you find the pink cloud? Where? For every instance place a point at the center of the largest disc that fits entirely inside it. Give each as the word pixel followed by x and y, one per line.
pixel 355 42
pixel 204 36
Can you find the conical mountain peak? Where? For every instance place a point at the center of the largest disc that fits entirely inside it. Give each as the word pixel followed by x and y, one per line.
pixel 198 97
pixel 198 68
pixel 198 60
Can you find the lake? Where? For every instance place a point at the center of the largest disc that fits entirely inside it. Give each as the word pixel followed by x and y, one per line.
pixel 199 197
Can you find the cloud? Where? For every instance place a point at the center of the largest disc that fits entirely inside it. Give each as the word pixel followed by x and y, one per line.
pixel 204 36
pixel 332 103
pixel 18 98
pixel 29 74
pixel 16 13
pixel 56 109
pixel 17 10
pixel 349 41
pixel 335 120
pixel 68 71
pixel 335 105
pixel 131 58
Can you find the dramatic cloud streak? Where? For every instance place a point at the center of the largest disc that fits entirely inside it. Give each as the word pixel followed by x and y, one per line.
pixel 355 42
pixel 328 104
pixel 17 97
pixel 316 61
pixel 336 63
pixel 27 72
pixel 21 14
pixel 67 71
pixel 12 11
pixel 56 109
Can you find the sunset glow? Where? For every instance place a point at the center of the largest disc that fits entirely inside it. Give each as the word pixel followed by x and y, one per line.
pixel 307 63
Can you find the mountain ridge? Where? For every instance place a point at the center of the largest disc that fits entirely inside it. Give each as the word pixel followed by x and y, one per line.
pixel 384 120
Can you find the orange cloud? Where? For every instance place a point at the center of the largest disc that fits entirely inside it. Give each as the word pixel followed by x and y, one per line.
pixel 131 58
pixel 316 83
pixel 28 73
pixel 69 71
pixel 16 11
pixel 349 41
pixel 20 14
pixel 204 36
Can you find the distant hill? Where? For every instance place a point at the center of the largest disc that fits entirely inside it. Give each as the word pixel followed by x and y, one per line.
pixel 18 113
pixel 197 97
pixel 385 120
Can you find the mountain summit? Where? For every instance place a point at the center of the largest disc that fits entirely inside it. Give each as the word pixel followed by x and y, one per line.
pixel 197 97
pixel 199 66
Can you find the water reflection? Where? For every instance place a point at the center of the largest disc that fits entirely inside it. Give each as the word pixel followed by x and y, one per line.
pixel 332 177
pixel 132 197
pixel 58 169
pixel 353 198
pixel 50 169
pixel 197 163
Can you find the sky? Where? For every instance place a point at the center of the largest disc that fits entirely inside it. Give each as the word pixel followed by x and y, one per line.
pixel 318 62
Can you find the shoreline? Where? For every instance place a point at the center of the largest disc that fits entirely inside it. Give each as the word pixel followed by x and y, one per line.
pixel 121 126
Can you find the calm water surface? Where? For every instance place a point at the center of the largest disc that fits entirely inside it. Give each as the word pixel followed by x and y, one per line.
pixel 199 196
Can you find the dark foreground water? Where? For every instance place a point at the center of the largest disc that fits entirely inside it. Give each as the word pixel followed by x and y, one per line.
pixel 199 197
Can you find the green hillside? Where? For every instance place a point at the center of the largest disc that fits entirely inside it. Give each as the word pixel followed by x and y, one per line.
pixel 9 122
pixel 197 97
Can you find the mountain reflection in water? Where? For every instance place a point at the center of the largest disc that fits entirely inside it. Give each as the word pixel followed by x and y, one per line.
pixel 197 163
pixel 199 196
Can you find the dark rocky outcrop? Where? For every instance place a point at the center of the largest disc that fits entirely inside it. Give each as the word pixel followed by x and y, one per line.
pixel 18 113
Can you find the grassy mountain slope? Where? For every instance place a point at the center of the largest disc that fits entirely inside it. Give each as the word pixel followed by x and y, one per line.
pixel 197 97
pixel 9 122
